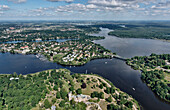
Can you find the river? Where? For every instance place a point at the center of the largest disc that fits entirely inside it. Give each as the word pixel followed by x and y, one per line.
pixel 120 74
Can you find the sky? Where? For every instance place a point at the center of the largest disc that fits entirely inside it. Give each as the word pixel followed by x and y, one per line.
pixel 84 9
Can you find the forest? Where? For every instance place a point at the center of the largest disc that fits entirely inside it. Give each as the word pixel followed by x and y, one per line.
pixel 148 30
pixel 155 72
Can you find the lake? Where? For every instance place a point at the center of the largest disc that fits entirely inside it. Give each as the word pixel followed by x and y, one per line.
pixel 120 74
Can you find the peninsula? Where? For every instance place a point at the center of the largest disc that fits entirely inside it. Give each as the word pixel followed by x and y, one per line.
pixel 73 52
pixel 155 72
pixel 60 90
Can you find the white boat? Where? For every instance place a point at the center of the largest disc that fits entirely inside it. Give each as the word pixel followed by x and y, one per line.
pixel 105 62
pixel 37 56
pixel 133 89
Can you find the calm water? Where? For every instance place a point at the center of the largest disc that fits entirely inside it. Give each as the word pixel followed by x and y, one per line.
pixel 130 47
pixel 115 70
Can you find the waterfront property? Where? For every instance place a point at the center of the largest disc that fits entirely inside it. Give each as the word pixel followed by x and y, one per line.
pixel 65 53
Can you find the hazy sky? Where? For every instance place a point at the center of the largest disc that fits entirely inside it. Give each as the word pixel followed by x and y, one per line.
pixel 84 9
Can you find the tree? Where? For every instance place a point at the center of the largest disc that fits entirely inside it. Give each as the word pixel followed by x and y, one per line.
pixel 54 100
pixel 112 90
pixel 58 95
pixel 101 95
pixel 71 88
pixel 63 93
pixel 130 104
pixel 72 102
pixel 15 74
pixel 62 103
pixel 47 104
pixel 101 86
pixel 110 107
pixel 92 95
pixel 107 90
pixel 55 87
pixel 78 91
pixel 83 85
pixel 109 99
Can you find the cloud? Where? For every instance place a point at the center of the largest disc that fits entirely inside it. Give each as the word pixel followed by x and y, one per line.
pixel 99 8
pixel 106 3
pixel 68 1
pixel 71 7
pixel 116 4
pixel 161 5
pixel 17 1
pixel 4 7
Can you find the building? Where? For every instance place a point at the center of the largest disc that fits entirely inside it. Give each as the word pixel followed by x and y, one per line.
pixel 53 107
pixel 78 98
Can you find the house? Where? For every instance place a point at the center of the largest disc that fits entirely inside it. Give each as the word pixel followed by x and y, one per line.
pixel 38 39
pixel 53 107
pixel 12 78
pixel 78 98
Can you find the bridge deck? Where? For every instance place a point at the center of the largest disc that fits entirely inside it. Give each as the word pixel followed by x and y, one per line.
pixel 119 57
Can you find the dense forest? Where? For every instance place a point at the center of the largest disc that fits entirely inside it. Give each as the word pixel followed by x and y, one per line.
pixel 155 72
pixel 159 30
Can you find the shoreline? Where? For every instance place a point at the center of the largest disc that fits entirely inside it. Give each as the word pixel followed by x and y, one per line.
pixel 144 81
pixel 109 84
pixel 164 40
pixel 64 64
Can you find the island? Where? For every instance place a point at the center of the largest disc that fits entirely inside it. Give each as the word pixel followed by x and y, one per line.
pixel 155 72
pixel 58 89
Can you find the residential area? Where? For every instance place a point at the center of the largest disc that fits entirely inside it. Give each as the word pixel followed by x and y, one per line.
pixel 67 53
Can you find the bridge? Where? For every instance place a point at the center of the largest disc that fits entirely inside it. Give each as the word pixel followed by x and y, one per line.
pixel 119 57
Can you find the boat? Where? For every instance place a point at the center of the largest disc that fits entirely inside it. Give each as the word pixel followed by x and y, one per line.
pixel 133 89
pixel 105 62
pixel 37 56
